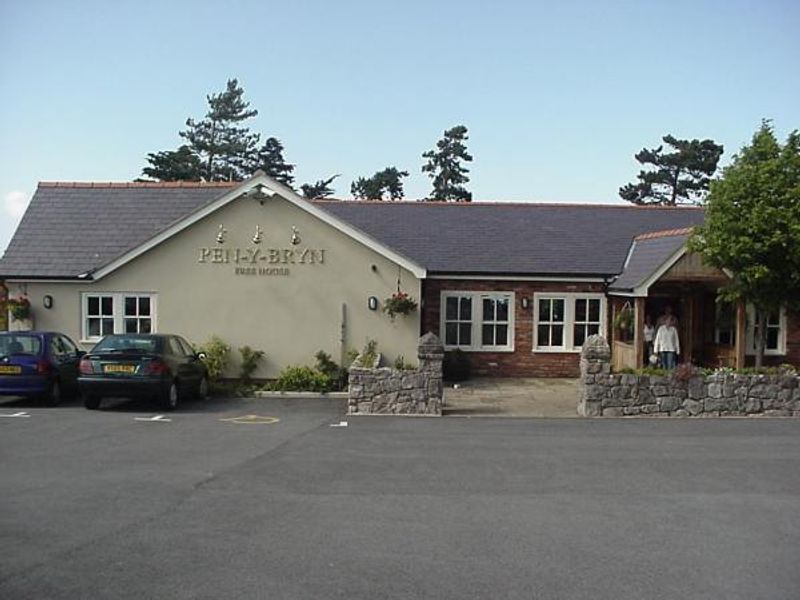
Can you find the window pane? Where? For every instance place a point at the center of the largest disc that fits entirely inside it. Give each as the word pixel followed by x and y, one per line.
pixel 94 327
pixel 774 319
pixel 580 309
pixel 451 334
pixel 487 336
pixel 557 335
pixel 465 334
pixel 107 326
pixel 543 335
pixel 488 309
pixel 144 306
pixel 93 305
pixel 502 309
pixel 593 329
pixel 579 335
pixel 772 338
pixel 501 335
pixel 144 326
pixel 558 310
pixel 130 305
pixel 544 310
pixel 107 303
pixel 466 309
pixel 594 310
pixel 451 309
pixel 130 326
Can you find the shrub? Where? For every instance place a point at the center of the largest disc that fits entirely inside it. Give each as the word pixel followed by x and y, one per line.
pixel 456 366
pixel 250 360
pixel 301 379
pixel 401 365
pixel 217 354
pixel 685 371
pixel 337 375
pixel 367 357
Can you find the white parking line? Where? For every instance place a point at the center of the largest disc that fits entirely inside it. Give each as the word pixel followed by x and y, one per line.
pixel 339 424
pixel 156 419
pixel 22 415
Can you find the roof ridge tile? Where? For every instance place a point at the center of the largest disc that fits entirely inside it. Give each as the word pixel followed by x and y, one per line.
pixel 137 184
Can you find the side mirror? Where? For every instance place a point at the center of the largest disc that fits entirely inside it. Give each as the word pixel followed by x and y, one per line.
pixel 201 355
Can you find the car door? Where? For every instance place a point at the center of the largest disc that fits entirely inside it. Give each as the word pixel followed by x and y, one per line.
pixel 194 361
pixel 63 362
pixel 70 362
pixel 187 374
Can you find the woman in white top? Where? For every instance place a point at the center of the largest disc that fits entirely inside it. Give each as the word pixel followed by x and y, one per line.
pixel 649 337
pixel 667 345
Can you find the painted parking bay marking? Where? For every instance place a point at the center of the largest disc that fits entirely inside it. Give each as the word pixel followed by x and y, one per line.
pixel 251 420
pixel 18 415
pixel 155 419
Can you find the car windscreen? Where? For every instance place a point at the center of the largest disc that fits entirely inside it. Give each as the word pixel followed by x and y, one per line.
pixel 20 343
pixel 124 343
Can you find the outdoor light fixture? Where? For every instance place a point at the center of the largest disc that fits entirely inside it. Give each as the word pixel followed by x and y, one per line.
pixel 372 303
pixel 526 303
pixel 48 301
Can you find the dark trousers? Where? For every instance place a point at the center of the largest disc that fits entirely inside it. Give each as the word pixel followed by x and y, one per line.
pixel 669 360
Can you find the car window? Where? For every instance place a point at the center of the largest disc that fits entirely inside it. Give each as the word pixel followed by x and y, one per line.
pixel 187 347
pixel 69 346
pixel 20 343
pixel 57 346
pixel 129 343
pixel 174 347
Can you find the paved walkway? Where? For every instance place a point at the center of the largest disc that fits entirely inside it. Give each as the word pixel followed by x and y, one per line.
pixel 512 397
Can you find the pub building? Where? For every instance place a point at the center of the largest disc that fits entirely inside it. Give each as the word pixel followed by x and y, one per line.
pixel 517 287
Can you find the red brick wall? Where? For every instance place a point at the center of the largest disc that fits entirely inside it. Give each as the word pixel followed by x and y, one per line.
pixel 522 362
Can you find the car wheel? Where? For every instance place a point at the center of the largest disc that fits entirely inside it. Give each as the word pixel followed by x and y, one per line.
pixel 91 402
pixel 202 389
pixel 53 397
pixel 170 399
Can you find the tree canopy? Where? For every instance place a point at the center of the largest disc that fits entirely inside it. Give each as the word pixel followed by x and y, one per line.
pixel 752 226
pixel 383 185
pixel 269 158
pixel 676 177
pixel 320 189
pixel 174 165
pixel 445 166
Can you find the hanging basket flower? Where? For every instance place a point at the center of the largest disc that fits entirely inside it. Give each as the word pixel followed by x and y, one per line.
pixel 20 308
pixel 399 303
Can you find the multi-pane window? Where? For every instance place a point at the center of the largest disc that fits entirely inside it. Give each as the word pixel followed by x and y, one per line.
pixel 774 340
pixel 550 328
pixel 99 316
pixel 587 319
pixel 478 321
pixel 108 313
pixel 494 327
pixel 725 326
pixel 563 322
pixel 138 318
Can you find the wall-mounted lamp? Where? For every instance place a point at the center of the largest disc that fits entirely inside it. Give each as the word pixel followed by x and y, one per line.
pixel 526 303
pixel 372 303
pixel 47 301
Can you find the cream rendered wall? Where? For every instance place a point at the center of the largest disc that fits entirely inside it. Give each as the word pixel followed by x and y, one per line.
pixel 289 317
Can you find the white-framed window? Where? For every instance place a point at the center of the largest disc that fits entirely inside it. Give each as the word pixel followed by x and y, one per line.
pixel 117 312
pixel 477 321
pixel 563 321
pixel 775 341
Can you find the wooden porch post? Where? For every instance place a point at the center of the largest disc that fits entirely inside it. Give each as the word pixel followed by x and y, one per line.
pixel 741 333
pixel 638 332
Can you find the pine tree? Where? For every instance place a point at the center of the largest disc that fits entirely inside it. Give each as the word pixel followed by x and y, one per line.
pixel 445 169
pixel 383 185
pixel 269 158
pixel 320 189
pixel 679 176
pixel 174 165
pixel 224 147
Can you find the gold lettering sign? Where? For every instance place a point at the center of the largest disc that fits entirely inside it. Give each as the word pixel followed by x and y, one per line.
pixel 261 261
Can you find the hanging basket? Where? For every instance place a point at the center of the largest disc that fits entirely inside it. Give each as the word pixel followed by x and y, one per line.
pixel 400 303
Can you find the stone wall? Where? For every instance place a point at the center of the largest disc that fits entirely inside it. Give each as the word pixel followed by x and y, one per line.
pixel 607 394
pixel 400 392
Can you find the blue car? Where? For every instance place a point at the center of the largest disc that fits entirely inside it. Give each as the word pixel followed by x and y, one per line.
pixel 38 364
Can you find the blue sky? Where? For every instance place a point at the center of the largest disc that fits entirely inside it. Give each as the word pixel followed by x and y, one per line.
pixel 558 96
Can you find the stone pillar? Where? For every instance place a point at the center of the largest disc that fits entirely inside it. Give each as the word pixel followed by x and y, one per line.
pixel 430 353
pixel 595 369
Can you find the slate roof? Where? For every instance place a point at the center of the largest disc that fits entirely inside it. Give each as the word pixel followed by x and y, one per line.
pixel 503 238
pixel 71 229
pixel 647 254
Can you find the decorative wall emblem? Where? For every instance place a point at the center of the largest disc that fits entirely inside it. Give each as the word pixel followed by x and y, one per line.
pixel 258 235
pixel 295 236
pixel 221 233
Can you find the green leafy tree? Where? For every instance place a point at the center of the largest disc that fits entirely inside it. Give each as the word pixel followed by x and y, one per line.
pixel 679 176
pixel 320 189
pixel 269 158
pixel 224 146
pixel 752 227
pixel 445 167
pixel 174 165
pixel 383 185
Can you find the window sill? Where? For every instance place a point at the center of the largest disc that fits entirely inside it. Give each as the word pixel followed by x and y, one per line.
pixel 485 350
pixel 556 350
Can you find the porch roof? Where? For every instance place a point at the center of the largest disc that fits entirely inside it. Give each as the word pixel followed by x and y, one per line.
pixel 649 256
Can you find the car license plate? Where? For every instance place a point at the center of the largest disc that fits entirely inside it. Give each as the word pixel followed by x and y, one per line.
pixel 10 370
pixel 119 368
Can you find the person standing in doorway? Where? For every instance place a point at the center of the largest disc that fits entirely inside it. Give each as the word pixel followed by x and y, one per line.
pixel 667 344
pixel 667 317
pixel 649 338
